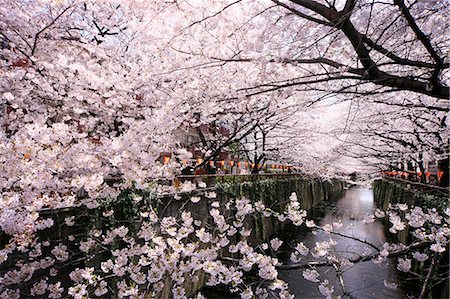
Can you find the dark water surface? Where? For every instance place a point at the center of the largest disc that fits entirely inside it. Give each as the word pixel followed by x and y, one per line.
pixel 363 280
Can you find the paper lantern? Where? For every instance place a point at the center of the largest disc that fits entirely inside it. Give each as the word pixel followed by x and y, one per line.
pixel 166 159
pixel 231 163
pixel 239 164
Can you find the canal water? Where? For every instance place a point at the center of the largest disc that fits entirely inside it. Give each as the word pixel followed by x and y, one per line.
pixel 363 280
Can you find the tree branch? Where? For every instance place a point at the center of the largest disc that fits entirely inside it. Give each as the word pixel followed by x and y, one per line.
pixel 33 49
pixel 305 16
pixel 427 281
pixel 398 253
pixel 420 35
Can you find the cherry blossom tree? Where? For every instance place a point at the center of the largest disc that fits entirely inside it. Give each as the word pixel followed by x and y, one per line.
pixel 353 47
pixel 93 92
pixel 391 53
pixel 387 136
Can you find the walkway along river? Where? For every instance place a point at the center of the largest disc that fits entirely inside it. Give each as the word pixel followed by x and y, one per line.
pixel 362 280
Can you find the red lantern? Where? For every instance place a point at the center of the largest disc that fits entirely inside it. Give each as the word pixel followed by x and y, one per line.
pixel 166 159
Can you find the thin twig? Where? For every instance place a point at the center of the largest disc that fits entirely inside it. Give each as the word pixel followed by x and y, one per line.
pixel 423 292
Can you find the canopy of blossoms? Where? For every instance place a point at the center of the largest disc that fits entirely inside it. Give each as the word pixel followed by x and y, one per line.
pixel 92 92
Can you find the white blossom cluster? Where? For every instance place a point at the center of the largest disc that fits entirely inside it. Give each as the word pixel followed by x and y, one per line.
pixel 164 254
pixel 92 93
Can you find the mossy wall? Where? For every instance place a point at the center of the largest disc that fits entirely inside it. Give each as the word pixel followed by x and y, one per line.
pixel 386 192
pixel 274 192
pixel 389 192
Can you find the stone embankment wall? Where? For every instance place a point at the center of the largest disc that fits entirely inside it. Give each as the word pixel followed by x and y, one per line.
pixel 386 192
pixel 391 192
pixel 274 192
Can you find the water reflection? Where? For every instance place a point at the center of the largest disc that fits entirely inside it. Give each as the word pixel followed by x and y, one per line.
pixel 363 280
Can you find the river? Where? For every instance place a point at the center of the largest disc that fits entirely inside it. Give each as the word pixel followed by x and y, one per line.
pixel 363 280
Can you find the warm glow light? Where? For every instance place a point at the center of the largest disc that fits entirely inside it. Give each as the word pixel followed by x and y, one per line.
pixel 199 161
pixel 211 163
pixel 166 159
pixel 231 163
